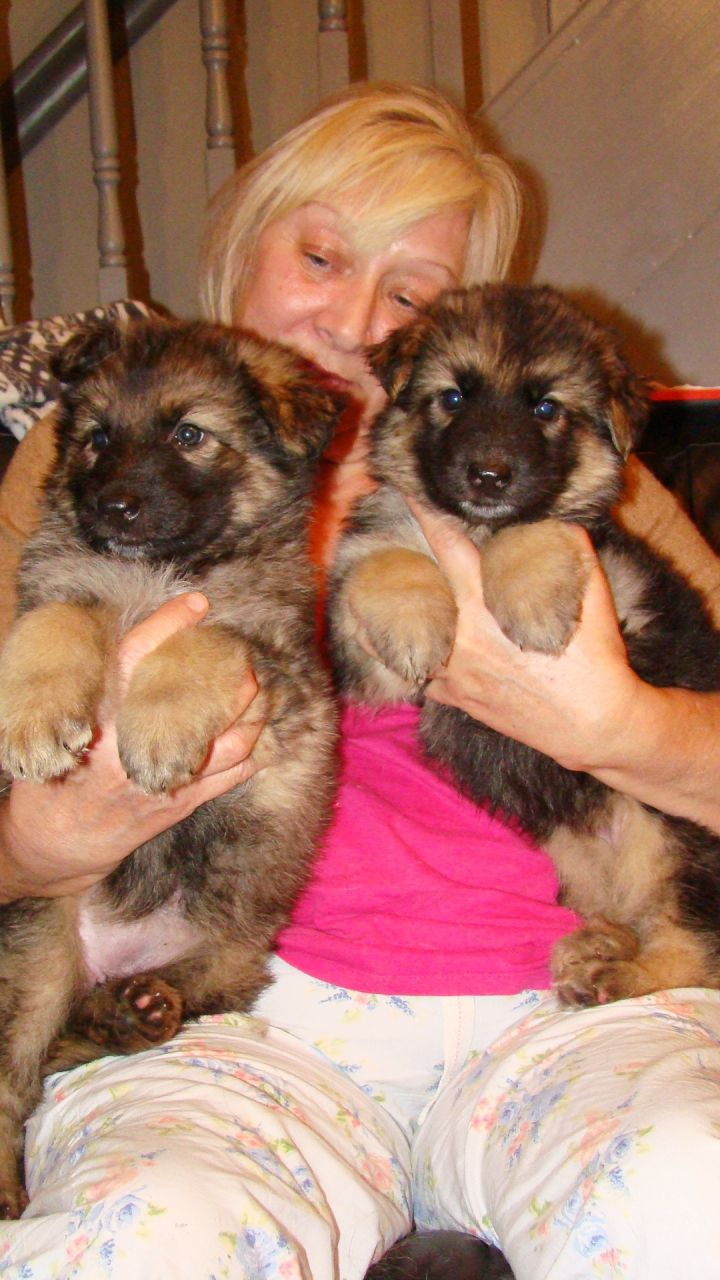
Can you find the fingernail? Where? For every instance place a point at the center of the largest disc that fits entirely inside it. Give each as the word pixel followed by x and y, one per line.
pixel 197 602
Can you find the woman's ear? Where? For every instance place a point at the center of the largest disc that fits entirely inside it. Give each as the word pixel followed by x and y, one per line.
pixel 85 350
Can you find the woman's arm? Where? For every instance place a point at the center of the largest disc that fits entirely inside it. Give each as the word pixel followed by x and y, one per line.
pixel 652 512
pixel 586 708
pixel 60 837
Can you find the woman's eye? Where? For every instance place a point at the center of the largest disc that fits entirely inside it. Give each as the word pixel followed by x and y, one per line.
pixel 406 304
pixel 450 399
pixel 99 438
pixel 546 409
pixel 188 436
pixel 316 260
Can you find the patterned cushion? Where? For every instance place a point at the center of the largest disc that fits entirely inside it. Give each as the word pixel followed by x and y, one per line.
pixel 27 388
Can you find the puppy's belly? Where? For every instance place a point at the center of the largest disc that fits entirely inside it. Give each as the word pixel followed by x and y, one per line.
pixel 113 948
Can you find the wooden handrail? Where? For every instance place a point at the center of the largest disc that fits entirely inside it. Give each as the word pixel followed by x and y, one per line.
pixel 55 75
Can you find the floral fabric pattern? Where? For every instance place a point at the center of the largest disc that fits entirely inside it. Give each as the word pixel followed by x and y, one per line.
pixel 569 1136
pixel 298 1144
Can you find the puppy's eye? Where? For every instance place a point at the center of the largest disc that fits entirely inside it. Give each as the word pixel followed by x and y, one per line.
pixel 188 436
pixel 450 399
pixel 99 438
pixel 546 409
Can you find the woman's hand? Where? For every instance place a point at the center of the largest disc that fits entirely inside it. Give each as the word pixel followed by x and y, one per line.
pixel 557 704
pixel 62 836
pixel 586 708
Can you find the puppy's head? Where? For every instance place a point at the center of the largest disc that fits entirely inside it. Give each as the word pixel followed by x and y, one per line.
pixel 177 441
pixel 507 404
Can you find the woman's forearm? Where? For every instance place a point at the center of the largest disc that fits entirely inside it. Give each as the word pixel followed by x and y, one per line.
pixel 667 754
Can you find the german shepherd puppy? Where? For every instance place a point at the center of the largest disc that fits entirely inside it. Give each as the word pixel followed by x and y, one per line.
pixel 185 461
pixel 512 411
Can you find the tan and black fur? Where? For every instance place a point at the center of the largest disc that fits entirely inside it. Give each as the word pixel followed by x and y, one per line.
pixel 185 461
pixel 511 411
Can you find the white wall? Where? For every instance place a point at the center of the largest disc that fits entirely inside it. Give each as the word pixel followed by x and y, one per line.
pixel 617 120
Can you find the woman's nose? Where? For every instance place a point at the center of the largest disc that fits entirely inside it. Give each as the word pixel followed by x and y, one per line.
pixel 350 318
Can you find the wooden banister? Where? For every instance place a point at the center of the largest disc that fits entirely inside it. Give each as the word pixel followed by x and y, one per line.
pixel 112 272
pixel 47 83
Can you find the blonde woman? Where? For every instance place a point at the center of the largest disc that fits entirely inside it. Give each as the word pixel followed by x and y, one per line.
pixel 408 1062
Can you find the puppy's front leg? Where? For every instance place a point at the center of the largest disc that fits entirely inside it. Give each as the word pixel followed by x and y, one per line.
pixel 52 678
pixel 181 696
pixel 533 583
pixel 397 603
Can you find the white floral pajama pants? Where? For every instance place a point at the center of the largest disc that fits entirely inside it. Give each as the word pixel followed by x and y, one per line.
pixel 587 1144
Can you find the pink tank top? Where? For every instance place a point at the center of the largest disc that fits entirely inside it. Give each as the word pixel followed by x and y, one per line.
pixel 417 891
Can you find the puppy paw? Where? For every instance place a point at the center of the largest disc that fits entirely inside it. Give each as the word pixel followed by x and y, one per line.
pixel 52 677
pixel 402 611
pixel 413 645
pixel 132 1014
pixel 533 582
pixel 180 698
pixel 43 734
pixel 596 964
pixel 161 752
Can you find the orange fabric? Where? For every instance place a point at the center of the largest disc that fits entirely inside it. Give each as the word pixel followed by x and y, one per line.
pixel 20 495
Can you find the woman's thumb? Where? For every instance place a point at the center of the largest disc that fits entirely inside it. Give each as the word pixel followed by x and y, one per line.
pixel 173 616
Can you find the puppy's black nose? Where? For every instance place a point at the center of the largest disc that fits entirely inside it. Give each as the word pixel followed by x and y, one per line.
pixel 490 480
pixel 120 508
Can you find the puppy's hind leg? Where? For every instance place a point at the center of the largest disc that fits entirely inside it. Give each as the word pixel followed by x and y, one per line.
pixel 121 1016
pixel 138 1012
pixel 219 976
pixel 38 976
pixel 626 882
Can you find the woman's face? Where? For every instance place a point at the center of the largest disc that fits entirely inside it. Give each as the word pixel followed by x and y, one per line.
pixel 315 289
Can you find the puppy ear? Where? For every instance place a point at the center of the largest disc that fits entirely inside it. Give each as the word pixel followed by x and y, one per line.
pixel 627 407
pixel 392 359
pixel 85 350
pixel 299 410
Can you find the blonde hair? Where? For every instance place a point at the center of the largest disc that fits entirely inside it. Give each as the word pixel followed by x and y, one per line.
pixel 401 152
